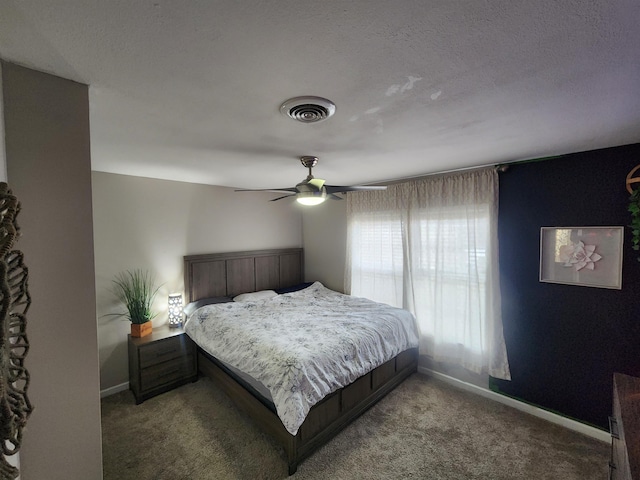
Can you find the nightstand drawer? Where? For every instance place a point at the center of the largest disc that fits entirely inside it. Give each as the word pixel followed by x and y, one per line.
pixel 160 362
pixel 163 350
pixel 167 372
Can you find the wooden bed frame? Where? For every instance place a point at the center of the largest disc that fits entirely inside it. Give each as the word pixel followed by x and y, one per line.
pixel 228 274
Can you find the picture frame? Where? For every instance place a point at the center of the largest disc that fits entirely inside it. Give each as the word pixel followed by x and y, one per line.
pixel 584 256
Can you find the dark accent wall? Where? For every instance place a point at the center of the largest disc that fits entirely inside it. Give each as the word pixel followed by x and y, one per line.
pixel 563 341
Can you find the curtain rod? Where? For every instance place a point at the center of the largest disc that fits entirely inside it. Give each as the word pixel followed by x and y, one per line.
pixel 500 167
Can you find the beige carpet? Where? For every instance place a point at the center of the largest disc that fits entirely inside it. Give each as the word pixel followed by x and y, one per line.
pixel 425 429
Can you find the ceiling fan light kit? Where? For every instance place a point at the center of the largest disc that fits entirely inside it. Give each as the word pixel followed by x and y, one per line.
pixel 311 198
pixel 311 191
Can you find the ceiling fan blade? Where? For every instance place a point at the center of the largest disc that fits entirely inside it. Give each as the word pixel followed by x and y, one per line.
pixel 275 190
pixel 316 182
pixel 280 198
pixel 354 188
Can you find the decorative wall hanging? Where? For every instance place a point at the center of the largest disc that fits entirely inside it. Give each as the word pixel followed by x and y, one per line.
pixel 15 300
pixel 586 256
pixel 634 209
pixel 631 179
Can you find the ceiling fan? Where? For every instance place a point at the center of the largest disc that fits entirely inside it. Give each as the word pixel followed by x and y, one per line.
pixel 312 191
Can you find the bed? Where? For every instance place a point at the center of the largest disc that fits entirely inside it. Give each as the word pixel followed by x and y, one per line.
pixel 229 274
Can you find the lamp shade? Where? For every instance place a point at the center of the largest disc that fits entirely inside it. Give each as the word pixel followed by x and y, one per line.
pixel 309 200
pixel 175 310
pixel 311 194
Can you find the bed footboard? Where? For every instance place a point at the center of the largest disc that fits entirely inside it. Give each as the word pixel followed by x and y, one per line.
pixel 326 419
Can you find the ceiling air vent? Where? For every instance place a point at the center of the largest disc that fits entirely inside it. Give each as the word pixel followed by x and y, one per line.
pixel 308 109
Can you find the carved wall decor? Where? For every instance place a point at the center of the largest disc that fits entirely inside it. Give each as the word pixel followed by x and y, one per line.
pixel 15 407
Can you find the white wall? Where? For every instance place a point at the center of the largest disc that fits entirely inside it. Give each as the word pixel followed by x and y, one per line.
pixel 325 243
pixel 46 121
pixel 151 224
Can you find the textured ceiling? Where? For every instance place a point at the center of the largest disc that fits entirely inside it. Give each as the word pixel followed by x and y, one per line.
pixel 191 90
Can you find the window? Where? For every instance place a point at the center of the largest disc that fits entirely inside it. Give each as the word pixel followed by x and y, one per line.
pixel 433 252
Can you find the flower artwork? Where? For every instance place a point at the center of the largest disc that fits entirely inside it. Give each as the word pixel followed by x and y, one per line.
pixel 585 256
pixel 579 256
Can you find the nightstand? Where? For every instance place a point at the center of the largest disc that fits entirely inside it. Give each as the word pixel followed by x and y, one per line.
pixel 160 362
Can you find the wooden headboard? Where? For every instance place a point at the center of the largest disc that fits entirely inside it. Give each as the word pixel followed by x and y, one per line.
pixel 229 274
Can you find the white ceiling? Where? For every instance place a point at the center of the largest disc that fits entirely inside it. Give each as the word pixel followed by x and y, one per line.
pixel 191 90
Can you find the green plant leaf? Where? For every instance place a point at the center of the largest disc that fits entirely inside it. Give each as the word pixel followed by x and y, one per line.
pixel 634 209
pixel 136 290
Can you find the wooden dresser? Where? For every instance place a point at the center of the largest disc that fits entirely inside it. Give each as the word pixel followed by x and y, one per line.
pixel 160 362
pixel 625 428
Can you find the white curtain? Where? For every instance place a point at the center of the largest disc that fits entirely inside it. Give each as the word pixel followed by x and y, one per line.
pixel 431 246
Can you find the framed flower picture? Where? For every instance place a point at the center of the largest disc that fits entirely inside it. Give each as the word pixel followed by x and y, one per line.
pixel 586 256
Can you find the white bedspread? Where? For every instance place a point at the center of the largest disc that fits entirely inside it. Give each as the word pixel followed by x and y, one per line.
pixel 303 345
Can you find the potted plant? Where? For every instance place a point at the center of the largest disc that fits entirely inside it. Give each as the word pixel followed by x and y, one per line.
pixel 136 290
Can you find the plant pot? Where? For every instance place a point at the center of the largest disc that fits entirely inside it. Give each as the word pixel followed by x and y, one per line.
pixel 141 329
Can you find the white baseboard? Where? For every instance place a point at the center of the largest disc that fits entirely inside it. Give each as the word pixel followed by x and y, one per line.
pixel 523 407
pixel 115 389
